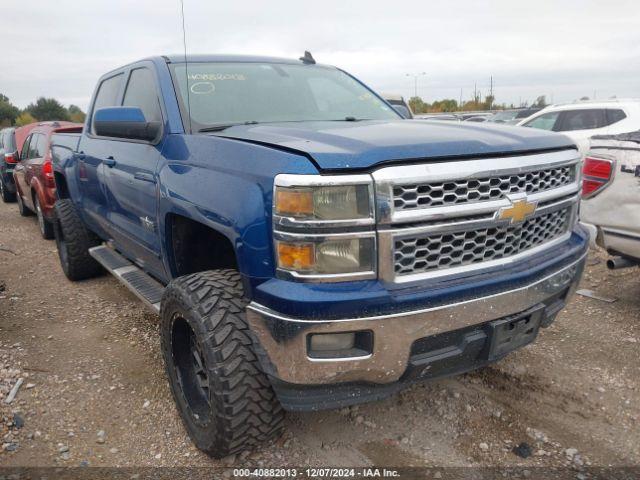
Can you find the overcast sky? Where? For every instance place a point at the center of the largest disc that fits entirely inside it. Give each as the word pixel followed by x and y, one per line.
pixel 563 49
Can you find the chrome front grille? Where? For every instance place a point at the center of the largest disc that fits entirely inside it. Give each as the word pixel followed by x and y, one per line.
pixel 438 251
pixel 449 218
pixel 436 194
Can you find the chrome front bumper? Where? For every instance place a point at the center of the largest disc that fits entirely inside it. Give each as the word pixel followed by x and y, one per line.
pixel 283 339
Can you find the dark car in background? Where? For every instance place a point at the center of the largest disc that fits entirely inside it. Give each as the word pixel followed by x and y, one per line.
pixel 33 175
pixel 11 141
pixel 8 160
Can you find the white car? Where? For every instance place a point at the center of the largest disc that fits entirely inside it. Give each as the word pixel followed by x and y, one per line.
pixel 610 208
pixel 582 120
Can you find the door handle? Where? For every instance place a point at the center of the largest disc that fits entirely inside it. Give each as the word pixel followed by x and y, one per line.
pixel 145 177
pixel 109 162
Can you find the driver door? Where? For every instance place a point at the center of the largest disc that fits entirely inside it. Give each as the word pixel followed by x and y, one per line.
pixel 131 179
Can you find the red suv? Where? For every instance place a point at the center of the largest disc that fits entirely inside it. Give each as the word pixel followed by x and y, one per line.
pixel 33 176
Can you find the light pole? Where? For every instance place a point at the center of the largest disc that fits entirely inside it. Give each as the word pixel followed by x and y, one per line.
pixel 415 80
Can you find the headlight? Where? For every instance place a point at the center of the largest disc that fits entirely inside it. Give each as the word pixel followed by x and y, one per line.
pixel 314 199
pixel 326 256
pixel 319 227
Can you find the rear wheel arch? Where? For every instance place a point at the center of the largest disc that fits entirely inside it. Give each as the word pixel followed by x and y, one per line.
pixel 62 189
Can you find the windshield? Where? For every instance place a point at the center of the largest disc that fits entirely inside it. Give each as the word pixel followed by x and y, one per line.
pixel 504 116
pixel 230 93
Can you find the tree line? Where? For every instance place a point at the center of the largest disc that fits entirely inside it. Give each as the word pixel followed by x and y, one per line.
pixel 42 110
pixel 473 105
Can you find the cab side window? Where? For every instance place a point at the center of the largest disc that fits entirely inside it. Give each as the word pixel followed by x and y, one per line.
pixel 107 95
pixel 141 93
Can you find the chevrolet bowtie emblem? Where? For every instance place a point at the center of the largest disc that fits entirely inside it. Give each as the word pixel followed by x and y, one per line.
pixel 518 211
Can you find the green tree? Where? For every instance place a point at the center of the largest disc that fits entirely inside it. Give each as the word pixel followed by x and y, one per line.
pixel 488 102
pixel 47 109
pixel 417 105
pixel 445 105
pixel 24 118
pixel 540 102
pixel 76 114
pixel 8 111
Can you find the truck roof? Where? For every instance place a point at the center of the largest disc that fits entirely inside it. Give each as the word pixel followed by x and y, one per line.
pixel 180 58
pixel 211 58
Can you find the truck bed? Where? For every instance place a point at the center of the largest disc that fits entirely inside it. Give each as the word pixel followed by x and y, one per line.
pixel 63 145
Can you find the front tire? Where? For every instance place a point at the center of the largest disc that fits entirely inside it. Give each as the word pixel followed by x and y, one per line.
pixel 46 227
pixel 74 240
pixel 225 400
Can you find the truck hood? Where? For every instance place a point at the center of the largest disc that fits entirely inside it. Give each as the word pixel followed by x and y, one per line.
pixel 363 144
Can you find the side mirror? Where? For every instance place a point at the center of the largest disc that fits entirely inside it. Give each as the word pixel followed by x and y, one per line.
pixel 125 122
pixel 402 110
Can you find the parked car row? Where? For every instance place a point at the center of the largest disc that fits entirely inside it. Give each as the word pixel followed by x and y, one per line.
pixel 583 120
pixel 27 171
pixel 578 120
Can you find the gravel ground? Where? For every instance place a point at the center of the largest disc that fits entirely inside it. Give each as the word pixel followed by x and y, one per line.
pixel 94 391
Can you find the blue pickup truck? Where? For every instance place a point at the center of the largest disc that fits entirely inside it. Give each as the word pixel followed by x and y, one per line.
pixel 304 245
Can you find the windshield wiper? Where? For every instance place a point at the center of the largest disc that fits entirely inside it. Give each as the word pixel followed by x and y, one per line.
pixel 223 126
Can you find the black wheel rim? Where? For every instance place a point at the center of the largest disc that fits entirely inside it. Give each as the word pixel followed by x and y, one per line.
pixel 191 370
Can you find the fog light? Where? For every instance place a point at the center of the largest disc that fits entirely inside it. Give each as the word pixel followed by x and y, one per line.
pixel 341 345
pixel 327 342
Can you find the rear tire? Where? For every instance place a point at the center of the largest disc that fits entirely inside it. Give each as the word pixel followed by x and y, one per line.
pixel 74 240
pixel 6 195
pixel 225 400
pixel 24 211
pixel 46 227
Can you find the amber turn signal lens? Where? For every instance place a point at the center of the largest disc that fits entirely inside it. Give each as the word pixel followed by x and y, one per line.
pixel 298 203
pixel 299 256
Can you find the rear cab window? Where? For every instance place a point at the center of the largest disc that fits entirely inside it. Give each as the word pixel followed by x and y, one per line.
pixel 107 95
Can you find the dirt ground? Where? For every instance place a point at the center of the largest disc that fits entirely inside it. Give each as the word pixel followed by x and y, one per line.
pixel 94 390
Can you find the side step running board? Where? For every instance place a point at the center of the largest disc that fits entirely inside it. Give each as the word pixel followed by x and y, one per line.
pixel 142 285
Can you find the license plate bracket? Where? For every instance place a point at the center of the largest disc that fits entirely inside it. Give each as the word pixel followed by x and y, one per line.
pixel 515 331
